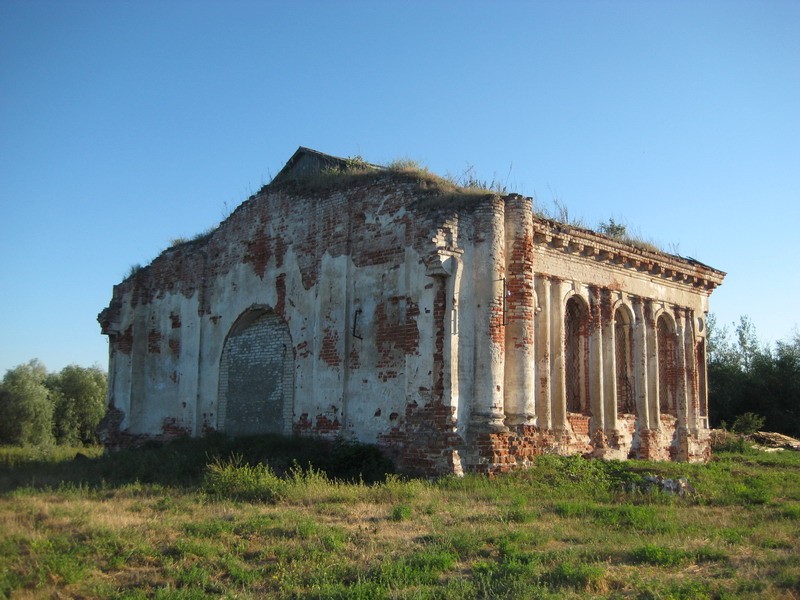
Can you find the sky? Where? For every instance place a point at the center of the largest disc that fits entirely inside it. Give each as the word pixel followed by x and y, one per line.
pixel 127 124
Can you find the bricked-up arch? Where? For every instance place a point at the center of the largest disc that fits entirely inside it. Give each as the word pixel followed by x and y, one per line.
pixel 623 349
pixel 667 366
pixel 576 353
pixel 256 379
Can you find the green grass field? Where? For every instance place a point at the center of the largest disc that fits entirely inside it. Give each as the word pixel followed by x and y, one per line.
pixel 209 519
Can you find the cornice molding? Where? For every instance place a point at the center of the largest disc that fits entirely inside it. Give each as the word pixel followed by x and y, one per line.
pixel 579 242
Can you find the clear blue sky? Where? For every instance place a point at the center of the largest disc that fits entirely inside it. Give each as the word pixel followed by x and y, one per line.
pixel 126 124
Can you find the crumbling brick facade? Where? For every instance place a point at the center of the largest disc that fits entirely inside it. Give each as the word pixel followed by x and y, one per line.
pixel 458 331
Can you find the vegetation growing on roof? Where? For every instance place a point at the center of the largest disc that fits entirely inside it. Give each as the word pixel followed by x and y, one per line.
pixel 465 182
pixel 133 270
pixel 195 239
pixel 355 170
pixel 619 232
pixel 613 229
pixel 560 213
pixel 447 189
pixel 439 190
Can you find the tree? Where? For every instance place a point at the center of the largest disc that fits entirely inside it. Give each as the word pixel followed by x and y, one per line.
pixel 726 376
pixel 613 229
pixel 747 378
pixel 774 386
pixel 79 403
pixel 748 346
pixel 26 410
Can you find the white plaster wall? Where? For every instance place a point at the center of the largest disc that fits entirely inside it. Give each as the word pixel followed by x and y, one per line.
pixel 366 402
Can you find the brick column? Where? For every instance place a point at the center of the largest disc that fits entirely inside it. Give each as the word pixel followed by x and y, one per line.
pixel 520 376
pixel 543 366
pixel 702 384
pixel 596 386
pixel 451 333
pixel 681 395
pixel 640 364
pixel 609 365
pixel 653 409
pixel 489 272
pixel 692 377
pixel 559 386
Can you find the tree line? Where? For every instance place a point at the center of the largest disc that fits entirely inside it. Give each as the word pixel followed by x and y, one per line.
pixel 752 385
pixel 38 408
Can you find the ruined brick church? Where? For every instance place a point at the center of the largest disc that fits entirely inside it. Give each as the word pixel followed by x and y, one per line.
pixel 452 327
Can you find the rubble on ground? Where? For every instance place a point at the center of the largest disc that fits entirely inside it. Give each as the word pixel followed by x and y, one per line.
pixel 656 483
pixel 770 441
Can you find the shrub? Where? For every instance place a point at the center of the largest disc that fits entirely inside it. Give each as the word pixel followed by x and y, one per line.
pixel 725 441
pixel 235 479
pixel 401 512
pixel 748 423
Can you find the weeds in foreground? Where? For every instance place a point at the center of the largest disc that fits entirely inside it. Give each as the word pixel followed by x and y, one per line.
pixel 237 526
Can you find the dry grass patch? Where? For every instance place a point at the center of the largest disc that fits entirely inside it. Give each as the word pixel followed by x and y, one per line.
pixel 568 528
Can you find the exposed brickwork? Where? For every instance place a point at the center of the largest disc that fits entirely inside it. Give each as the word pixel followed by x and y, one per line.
pixel 280 290
pixel 330 348
pixel 426 442
pixel 353 360
pixel 258 253
pixel 520 301
pixel 396 331
pixel 502 452
pixel 113 438
pixel 321 426
pixel 303 350
pixel 124 341
pixel 171 429
pixel 386 312
pixel 579 424
pixel 154 341
pixel 439 306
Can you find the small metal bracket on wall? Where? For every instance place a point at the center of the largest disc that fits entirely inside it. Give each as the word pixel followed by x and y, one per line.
pixel 355 324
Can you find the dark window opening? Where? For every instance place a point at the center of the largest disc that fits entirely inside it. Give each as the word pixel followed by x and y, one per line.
pixel 623 347
pixel 576 329
pixel 667 367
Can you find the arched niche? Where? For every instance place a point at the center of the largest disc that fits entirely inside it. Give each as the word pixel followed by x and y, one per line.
pixel 256 383
pixel 576 352
pixel 667 365
pixel 623 360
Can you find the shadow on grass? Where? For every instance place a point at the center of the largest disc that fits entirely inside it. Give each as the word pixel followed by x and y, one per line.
pixel 183 462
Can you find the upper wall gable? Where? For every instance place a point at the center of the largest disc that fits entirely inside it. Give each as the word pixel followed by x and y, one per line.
pixel 306 162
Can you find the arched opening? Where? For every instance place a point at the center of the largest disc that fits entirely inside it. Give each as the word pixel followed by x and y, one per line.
pixel 576 352
pixel 623 350
pixel 256 382
pixel 667 366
